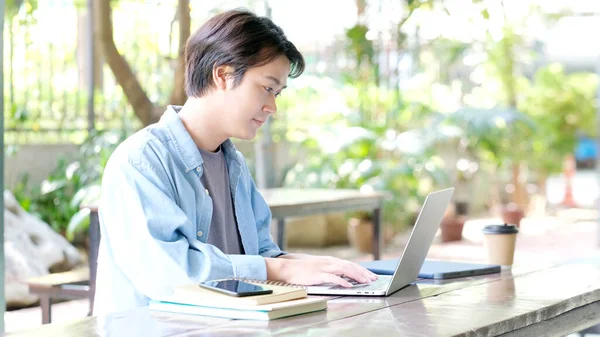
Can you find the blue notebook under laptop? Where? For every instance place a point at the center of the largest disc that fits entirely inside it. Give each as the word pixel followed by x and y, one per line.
pixel 434 269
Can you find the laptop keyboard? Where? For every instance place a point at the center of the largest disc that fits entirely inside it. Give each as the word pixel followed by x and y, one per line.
pixel 381 282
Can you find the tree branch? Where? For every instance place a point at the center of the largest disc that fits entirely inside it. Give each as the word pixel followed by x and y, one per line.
pixel 143 108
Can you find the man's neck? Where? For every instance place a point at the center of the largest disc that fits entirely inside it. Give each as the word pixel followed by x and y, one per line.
pixel 201 121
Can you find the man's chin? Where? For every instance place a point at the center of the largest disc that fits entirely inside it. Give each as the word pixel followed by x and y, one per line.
pixel 248 135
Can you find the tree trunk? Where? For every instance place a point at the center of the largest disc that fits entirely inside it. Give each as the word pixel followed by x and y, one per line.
pixel 519 194
pixel 541 182
pixel 83 17
pixel 178 95
pixel 144 109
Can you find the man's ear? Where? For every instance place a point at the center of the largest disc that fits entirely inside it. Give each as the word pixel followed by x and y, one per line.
pixel 222 75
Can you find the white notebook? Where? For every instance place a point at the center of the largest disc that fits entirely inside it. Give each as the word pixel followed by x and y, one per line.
pixel 258 312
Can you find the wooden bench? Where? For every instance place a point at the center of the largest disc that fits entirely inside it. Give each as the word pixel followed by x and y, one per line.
pixel 68 285
pixel 75 284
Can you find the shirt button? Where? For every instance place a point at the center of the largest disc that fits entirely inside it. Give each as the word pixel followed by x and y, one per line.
pixel 206 191
pixel 198 169
pixel 200 233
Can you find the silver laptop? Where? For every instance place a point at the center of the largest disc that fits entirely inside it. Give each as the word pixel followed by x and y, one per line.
pixel 412 258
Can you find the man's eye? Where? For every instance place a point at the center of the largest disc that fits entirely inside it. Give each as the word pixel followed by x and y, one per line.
pixel 270 90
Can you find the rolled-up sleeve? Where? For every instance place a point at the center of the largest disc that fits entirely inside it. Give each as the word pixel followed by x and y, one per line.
pixel 143 228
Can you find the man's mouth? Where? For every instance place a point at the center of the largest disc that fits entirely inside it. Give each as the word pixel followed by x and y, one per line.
pixel 258 122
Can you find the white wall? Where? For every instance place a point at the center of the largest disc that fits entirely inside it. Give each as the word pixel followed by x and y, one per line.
pixel 38 160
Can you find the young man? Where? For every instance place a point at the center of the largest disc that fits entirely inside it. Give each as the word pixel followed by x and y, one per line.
pixel 178 202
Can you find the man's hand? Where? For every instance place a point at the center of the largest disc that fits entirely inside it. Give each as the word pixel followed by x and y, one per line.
pixel 311 270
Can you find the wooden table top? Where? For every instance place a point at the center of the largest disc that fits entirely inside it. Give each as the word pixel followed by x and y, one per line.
pixel 532 300
pixel 297 202
pixel 307 201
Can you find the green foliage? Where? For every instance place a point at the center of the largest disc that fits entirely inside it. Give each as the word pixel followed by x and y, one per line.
pixel 72 184
pixel 22 193
pixel 14 6
pixel 491 134
pixel 359 46
pixel 359 147
pixel 355 143
pixel 363 52
pixel 308 102
pixel 449 53
pixel 358 158
pixel 44 90
pixel 562 106
pixel 372 106
pixel 501 57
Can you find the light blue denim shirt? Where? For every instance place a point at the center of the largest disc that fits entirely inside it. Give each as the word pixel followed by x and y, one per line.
pixel 155 217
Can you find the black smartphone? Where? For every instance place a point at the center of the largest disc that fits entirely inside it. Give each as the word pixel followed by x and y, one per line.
pixel 236 288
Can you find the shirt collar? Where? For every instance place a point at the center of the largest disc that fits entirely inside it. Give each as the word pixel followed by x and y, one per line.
pixel 183 142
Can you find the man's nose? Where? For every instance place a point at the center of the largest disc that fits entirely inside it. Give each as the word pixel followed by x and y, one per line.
pixel 271 106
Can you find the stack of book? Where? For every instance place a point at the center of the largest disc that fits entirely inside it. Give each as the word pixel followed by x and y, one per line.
pixel 285 300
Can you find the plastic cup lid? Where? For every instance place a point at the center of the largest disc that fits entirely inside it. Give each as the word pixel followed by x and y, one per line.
pixel 500 229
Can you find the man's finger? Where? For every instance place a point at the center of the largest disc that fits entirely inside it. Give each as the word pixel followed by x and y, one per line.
pixel 355 273
pixel 331 278
pixel 367 276
pixel 367 273
pixel 349 269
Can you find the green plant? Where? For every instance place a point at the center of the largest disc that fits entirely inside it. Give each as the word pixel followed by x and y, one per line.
pixel 357 158
pixel 362 50
pixel 489 136
pixel 71 185
pixel 562 105
pixel 356 143
pixel 22 194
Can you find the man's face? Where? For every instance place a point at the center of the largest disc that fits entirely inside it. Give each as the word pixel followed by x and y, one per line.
pixel 250 104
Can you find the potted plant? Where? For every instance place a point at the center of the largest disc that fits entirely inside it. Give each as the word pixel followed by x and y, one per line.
pixel 360 232
pixel 456 215
pixel 454 220
pixel 452 225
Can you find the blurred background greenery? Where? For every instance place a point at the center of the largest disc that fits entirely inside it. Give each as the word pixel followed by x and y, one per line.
pixel 404 96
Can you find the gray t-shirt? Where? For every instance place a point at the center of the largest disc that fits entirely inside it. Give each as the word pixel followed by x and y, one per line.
pixel 223 232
